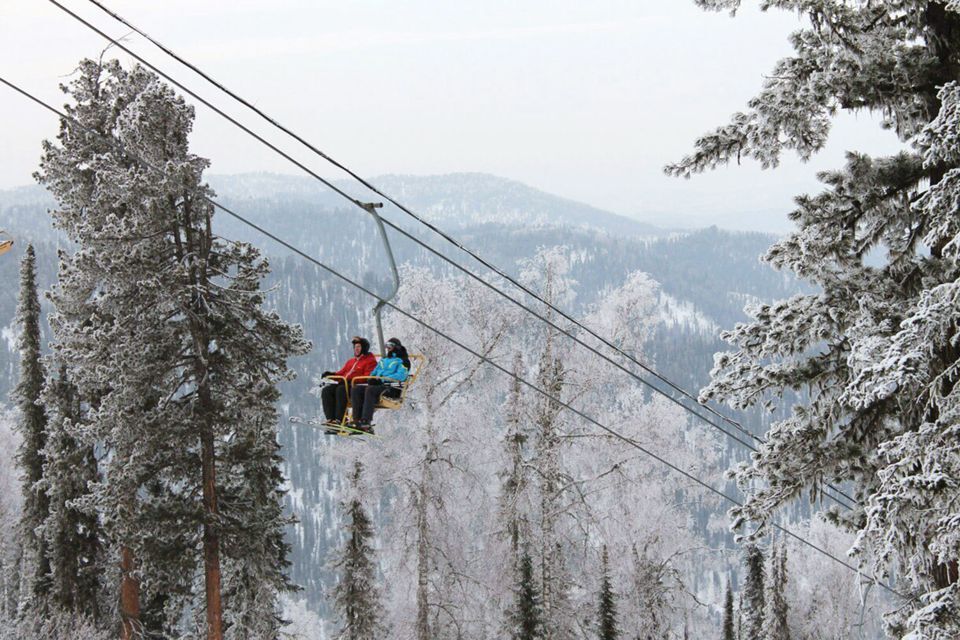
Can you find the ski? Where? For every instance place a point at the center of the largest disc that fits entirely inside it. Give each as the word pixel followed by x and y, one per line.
pixel 344 430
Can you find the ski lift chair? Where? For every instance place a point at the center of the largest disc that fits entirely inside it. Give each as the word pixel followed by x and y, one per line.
pixel 416 364
pixel 6 242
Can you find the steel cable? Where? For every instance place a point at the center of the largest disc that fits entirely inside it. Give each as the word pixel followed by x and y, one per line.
pixel 545 394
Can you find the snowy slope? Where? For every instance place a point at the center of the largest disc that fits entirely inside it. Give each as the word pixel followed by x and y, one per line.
pixel 704 276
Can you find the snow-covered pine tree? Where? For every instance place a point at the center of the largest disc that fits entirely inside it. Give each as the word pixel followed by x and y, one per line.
pixel 525 616
pixel 876 348
pixel 251 346
pixel 607 628
pixel 160 325
pixel 548 272
pixel 752 596
pixel 775 611
pixel 32 425
pixel 515 510
pixel 728 630
pixel 739 615
pixel 516 498
pixel 72 534
pixel 10 501
pixel 357 595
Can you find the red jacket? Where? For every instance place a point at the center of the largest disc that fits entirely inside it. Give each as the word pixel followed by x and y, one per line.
pixel 356 367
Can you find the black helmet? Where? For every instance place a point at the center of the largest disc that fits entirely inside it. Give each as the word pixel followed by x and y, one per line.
pixel 393 343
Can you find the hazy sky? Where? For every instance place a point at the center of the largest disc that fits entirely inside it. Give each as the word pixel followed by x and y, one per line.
pixel 587 100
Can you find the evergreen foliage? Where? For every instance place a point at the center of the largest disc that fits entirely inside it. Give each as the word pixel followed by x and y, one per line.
pixel 875 347
pixel 54 624
pixel 775 625
pixel 752 603
pixel 607 628
pixel 160 325
pixel 72 535
pixel 728 630
pixel 525 617
pixel 514 504
pixel 33 432
pixel 357 595
pixel 549 272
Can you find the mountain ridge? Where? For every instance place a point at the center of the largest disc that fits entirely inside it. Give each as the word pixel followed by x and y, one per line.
pixel 454 199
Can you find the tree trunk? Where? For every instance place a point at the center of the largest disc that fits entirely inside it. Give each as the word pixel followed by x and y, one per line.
pixel 198 241
pixel 211 539
pixel 516 486
pixel 550 378
pixel 129 596
pixel 423 560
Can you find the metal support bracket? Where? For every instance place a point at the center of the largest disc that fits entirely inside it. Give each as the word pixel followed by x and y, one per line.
pixel 371 208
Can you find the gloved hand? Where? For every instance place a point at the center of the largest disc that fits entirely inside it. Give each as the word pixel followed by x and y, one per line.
pixel 326 374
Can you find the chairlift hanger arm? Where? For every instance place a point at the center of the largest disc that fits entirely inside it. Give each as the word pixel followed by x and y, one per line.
pixel 371 208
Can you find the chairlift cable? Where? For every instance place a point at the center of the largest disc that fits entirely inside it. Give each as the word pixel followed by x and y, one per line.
pixel 438 231
pixel 545 394
pixel 406 210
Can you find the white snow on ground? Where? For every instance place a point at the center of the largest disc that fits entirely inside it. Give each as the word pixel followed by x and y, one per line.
pixel 677 313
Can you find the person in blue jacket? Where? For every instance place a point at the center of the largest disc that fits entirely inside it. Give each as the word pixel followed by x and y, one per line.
pixel 364 397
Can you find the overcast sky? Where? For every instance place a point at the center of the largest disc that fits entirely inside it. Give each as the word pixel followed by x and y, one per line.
pixel 587 100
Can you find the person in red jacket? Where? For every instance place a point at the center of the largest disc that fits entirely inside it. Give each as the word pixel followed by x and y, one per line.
pixel 334 396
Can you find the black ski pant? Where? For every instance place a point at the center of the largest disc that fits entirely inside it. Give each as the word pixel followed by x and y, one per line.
pixel 334 399
pixel 364 399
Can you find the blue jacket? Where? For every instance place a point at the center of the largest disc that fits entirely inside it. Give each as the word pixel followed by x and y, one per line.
pixel 391 368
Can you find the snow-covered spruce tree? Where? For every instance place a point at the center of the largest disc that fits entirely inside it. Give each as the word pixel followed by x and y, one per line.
pixel 160 325
pixel 525 616
pixel 739 615
pixel 775 611
pixel 752 597
pixel 728 630
pixel 72 534
pixel 10 502
pixel 32 425
pixel 607 628
pixel 357 594
pixel 876 348
pixel 251 349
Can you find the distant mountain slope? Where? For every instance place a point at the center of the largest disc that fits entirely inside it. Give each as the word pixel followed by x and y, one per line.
pixel 714 271
pixel 705 277
pixel 455 200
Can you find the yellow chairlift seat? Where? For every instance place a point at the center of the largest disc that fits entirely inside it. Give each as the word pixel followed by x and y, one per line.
pixel 6 242
pixel 416 364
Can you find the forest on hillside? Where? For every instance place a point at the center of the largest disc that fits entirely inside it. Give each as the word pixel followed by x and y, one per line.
pixel 166 472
